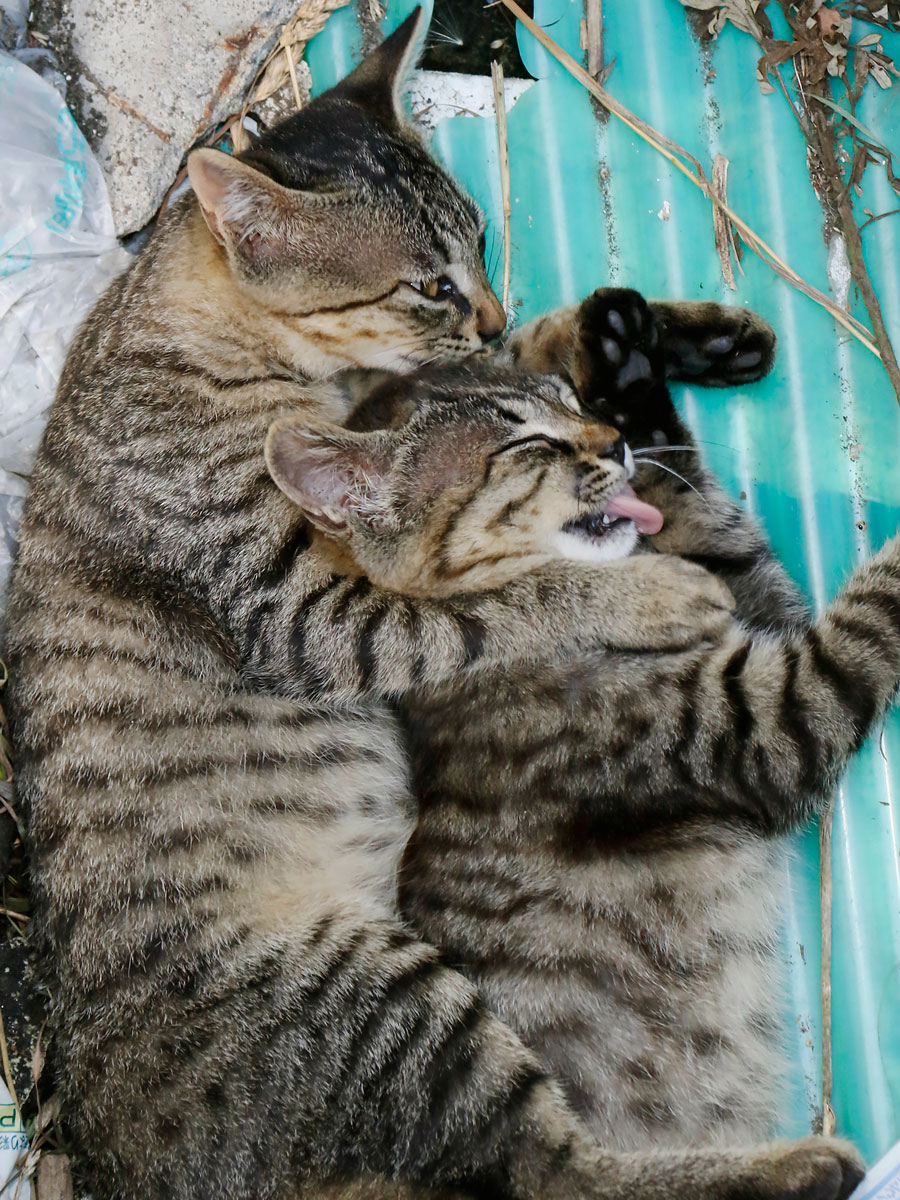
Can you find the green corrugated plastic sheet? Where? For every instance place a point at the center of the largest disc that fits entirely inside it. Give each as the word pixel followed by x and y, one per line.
pixel 812 451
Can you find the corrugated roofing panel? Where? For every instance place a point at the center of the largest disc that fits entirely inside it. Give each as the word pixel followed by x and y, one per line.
pixel 813 450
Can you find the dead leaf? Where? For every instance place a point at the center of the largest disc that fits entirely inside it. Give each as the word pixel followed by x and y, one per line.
pixel 861 62
pixel 741 13
pixel 829 21
pixel 37 1058
pixel 880 75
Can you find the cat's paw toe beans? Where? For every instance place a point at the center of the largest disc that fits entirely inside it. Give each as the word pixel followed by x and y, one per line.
pixel 621 340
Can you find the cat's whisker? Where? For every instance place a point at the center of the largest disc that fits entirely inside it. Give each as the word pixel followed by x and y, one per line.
pixel 493 258
pixel 440 34
pixel 652 463
pixel 643 451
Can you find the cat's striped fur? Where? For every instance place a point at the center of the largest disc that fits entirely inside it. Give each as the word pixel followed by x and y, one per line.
pixel 216 792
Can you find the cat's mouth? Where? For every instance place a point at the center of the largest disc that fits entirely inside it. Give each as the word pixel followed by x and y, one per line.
pixel 620 510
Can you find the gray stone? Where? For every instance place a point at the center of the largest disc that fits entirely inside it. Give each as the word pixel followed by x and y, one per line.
pixel 147 78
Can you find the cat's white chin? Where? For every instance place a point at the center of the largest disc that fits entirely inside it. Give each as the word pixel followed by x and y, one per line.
pixel 617 543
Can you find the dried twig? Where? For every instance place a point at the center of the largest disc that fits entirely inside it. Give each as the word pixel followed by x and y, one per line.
pixel 721 226
pixel 7 1069
pixel 675 154
pixel 594 32
pixel 880 217
pixel 292 71
pixel 819 52
pixel 823 144
pixel 503 148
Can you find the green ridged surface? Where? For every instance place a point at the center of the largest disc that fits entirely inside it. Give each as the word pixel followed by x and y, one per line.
pixel 813 450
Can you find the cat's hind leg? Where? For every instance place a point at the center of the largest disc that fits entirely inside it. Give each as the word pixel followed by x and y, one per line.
pixel 700 342
pixel 618 360
pixel 713 344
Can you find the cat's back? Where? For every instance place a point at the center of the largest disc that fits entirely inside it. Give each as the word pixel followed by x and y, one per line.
pixel 171 800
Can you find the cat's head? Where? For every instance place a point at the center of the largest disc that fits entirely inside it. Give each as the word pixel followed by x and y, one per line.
pixel 339 214
pixel 454 480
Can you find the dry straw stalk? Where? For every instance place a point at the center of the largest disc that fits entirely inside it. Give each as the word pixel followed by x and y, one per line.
pixel 503 151
pixel 280 67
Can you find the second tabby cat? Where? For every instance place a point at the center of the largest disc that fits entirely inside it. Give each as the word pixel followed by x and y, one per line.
pixel 597 837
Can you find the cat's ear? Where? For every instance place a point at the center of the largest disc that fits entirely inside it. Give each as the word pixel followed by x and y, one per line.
pixel 243 208
pixel 377 83
pixel 331 473
pixel 257 218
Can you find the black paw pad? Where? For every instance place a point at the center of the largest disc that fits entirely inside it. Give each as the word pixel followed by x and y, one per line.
pixel 622 367
pixel 719 347
pixel 620 339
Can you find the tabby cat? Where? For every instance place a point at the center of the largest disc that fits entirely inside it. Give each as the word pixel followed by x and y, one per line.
pixel 215 788
pixel 596 838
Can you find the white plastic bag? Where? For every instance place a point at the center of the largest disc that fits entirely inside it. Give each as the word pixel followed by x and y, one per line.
pixel 13 1151
pixel 58 253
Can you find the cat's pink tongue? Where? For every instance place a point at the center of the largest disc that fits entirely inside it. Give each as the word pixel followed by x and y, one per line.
pixel 626 504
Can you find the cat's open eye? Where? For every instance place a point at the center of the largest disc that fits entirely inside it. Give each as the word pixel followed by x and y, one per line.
pixel 441 287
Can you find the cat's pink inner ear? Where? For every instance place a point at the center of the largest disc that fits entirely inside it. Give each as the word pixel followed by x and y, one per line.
pixel 210 178
pixel 243 208
pixel 331 475
pixel 311 469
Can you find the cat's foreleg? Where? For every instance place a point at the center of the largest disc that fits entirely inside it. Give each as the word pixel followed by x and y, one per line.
pixel 314 635
pixel 782 714
pixel 812 1168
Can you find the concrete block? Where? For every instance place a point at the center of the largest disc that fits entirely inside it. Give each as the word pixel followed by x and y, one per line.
pixel 146 78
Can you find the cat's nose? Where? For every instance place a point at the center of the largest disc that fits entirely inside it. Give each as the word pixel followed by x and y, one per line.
pixel 610 444
pixel 491 318
pixel 616 450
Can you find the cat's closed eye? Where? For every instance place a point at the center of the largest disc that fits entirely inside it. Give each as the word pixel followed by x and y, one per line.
pixel 535 439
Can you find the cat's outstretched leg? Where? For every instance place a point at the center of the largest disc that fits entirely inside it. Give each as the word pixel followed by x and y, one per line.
pixel 811 1168
pixel 700 341
pixel 713 344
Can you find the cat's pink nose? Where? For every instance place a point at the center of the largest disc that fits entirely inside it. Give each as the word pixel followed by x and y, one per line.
pixel 491 317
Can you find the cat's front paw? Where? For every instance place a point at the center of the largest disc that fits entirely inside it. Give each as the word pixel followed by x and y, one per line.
pixel 812 1168
pixel 621 352
pixel 680 603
